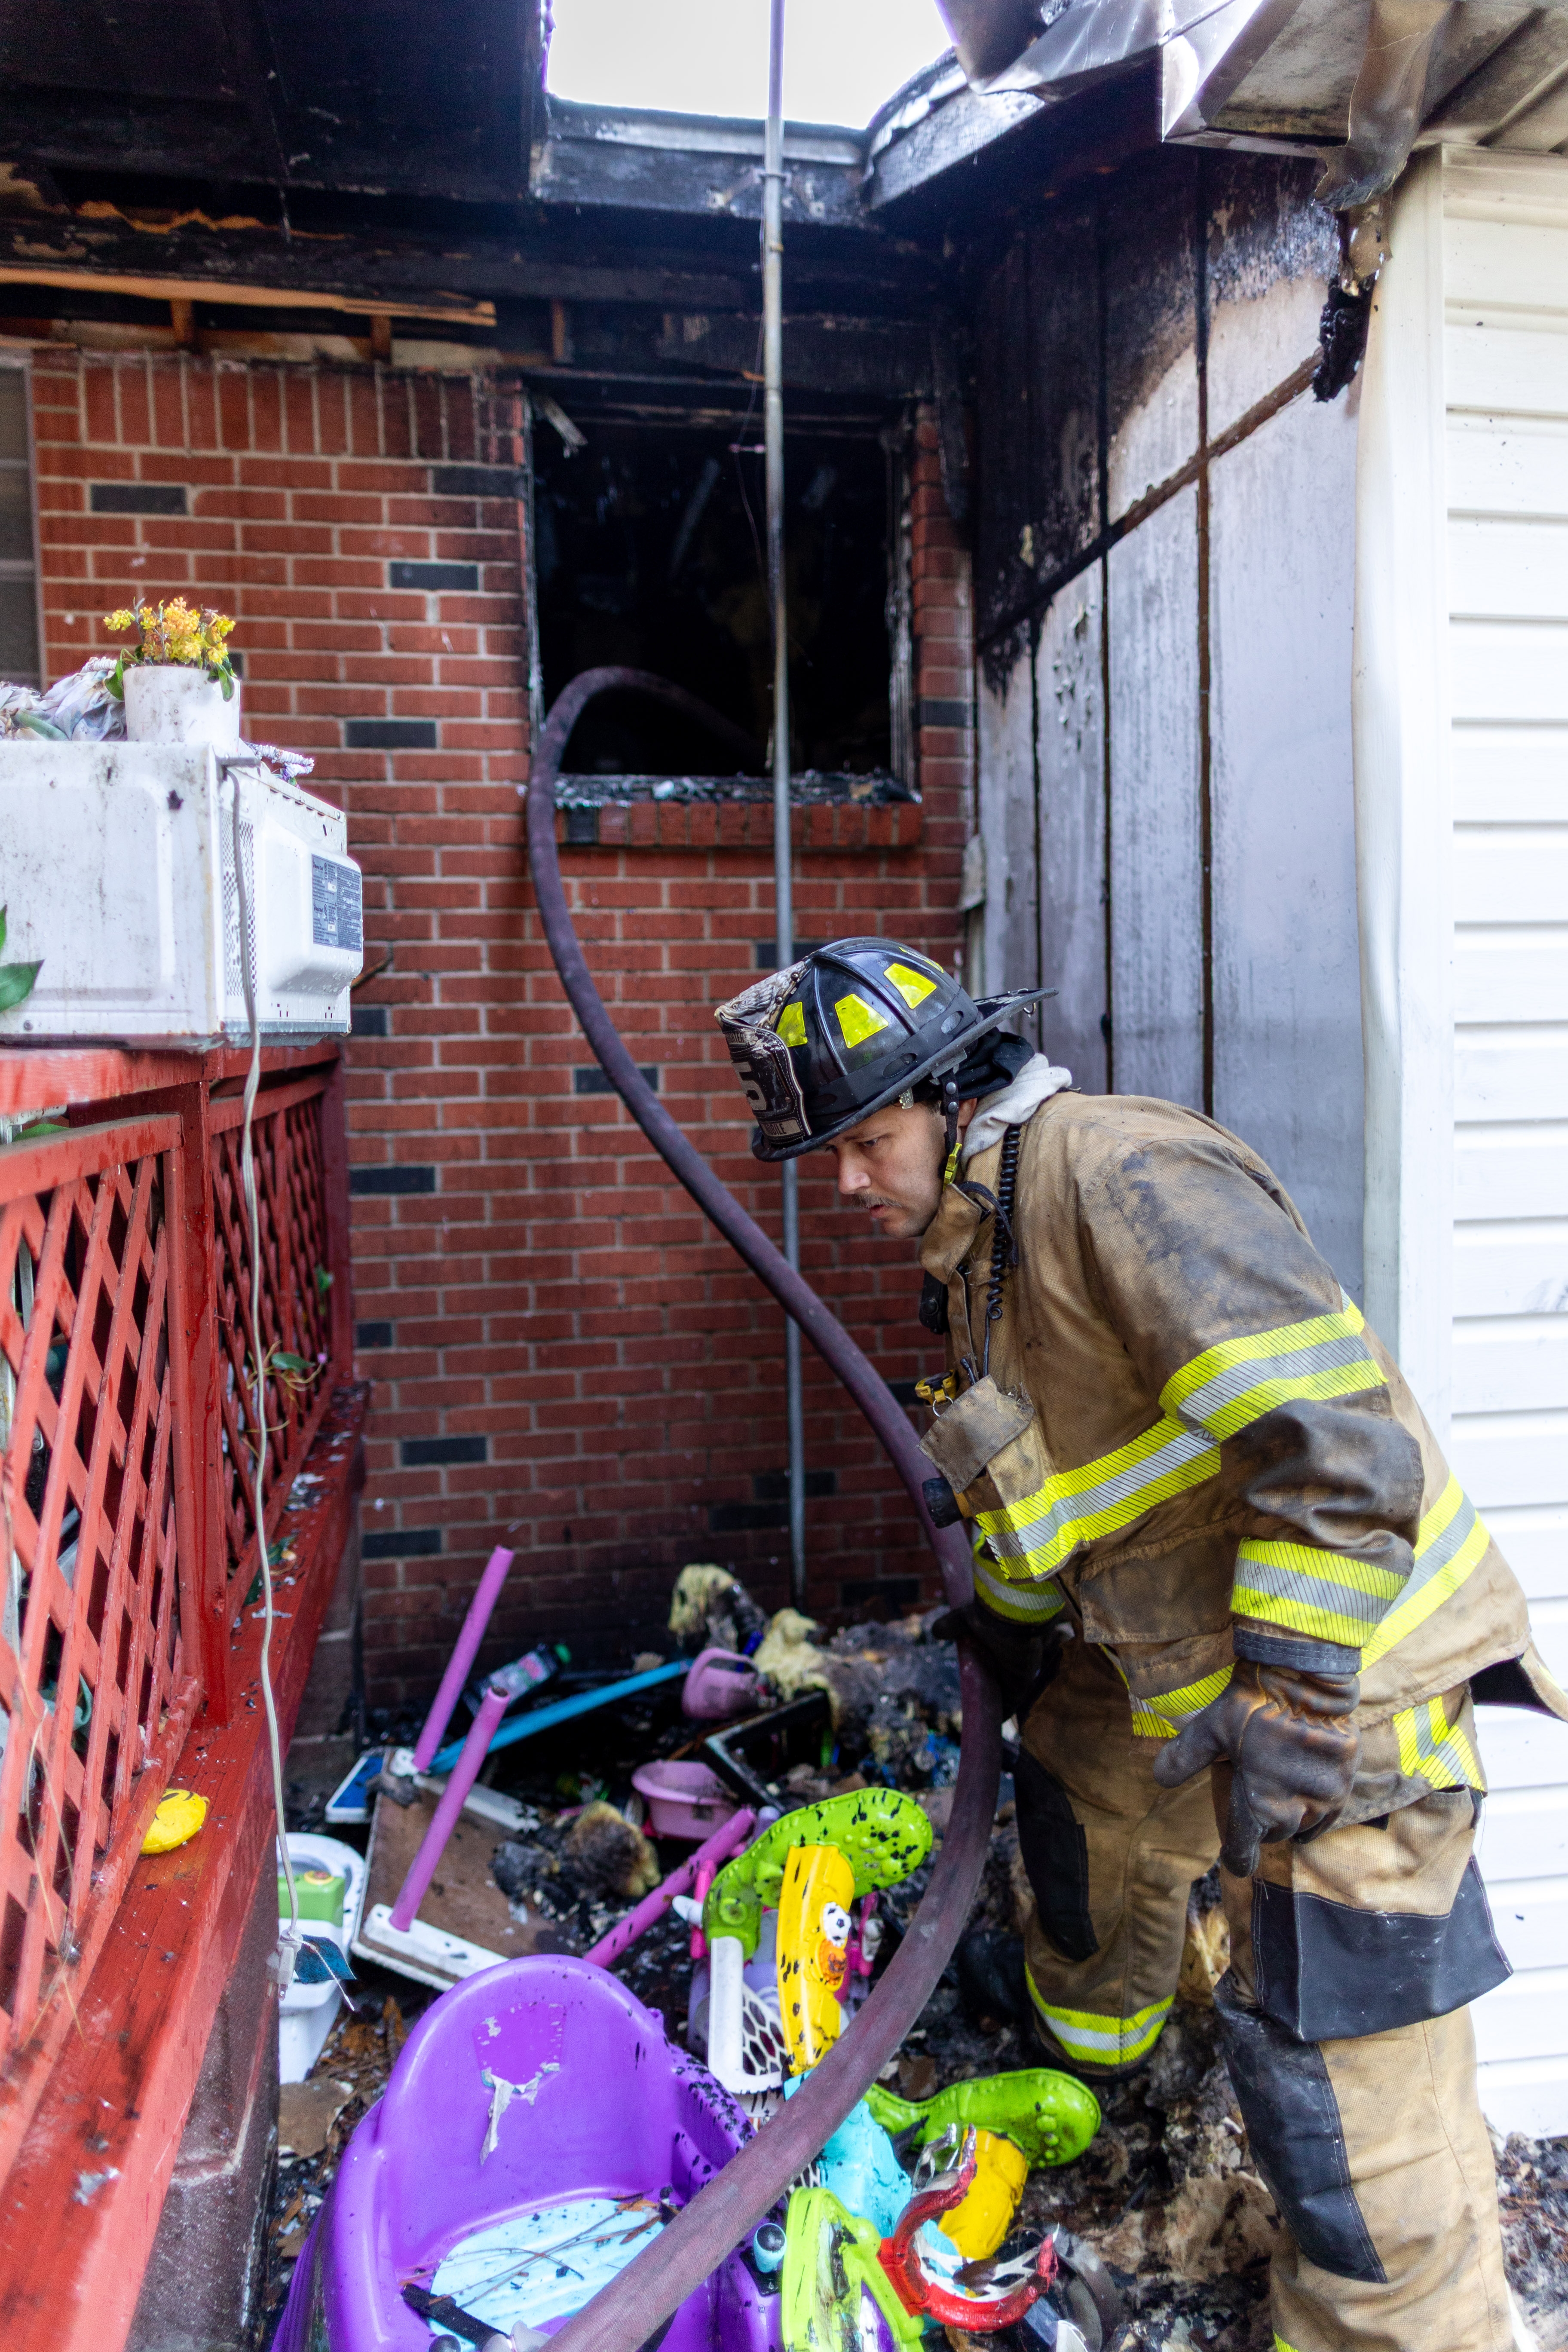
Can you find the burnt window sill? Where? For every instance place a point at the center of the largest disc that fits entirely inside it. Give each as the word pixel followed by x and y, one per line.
pixel 828 813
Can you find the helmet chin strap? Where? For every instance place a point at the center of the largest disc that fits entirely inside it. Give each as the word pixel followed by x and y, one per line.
pixel 950 1115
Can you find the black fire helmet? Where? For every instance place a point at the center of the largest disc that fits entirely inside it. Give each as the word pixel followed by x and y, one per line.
pixel 825 1042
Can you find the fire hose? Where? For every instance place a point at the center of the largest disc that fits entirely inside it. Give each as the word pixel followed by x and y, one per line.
pixel 625 2314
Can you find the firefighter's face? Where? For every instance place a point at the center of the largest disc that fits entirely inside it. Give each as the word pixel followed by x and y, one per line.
pixel 890 1165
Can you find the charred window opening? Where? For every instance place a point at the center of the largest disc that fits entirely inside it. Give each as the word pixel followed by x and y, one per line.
pixel 20 660
pixel 650 549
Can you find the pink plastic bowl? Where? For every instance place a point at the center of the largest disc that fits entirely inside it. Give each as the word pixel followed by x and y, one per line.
pixel 683 1800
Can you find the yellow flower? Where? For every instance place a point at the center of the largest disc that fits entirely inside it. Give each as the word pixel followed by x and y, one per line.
pixel 174 631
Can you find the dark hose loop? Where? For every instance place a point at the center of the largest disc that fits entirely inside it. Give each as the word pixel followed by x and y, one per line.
pixel 623 2315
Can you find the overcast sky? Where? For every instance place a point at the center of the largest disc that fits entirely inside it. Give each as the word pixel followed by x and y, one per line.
pixel 842 58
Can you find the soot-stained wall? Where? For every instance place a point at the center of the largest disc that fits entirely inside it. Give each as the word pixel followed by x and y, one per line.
pixel 566 1359
pixel 1165 589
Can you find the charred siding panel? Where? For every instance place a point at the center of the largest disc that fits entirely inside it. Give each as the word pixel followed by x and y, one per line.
pixel 1149 255
pixel 1004 568
pixel 1269 253
pixel 1180 297
pixel 1012 933
pixel 1287 981
pixel 1040 347
pixel 1064 334
pixel 1070 700
pixel 1156 881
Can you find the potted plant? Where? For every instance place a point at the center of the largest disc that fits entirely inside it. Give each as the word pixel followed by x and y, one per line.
pixel 176 681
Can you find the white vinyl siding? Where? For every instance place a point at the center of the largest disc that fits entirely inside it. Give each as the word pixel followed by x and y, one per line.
pixel 1505 393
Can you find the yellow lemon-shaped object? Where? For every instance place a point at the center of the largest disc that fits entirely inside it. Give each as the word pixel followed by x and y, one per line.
pixel 177 1819
pixel 980 2223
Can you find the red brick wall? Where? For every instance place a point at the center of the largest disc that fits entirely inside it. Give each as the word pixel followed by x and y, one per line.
pixel 577 1367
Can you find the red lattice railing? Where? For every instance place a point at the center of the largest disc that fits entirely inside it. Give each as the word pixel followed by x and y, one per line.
pixel 296 1289
pixel 127 1537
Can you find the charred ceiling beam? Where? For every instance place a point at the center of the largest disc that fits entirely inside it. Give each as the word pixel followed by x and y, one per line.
pixel 693 163
pixel 694 352
pixel 238 234
pixel 249 38
pixel 433 102
pixel 363 267
pixel 951 134
pixel 841 353
pixel 974 163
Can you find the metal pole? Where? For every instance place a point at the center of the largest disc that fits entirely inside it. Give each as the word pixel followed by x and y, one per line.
pixel 784 909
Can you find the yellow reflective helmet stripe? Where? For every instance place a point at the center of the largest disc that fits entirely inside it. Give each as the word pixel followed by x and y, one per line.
pixel 915 987
pixel 857 1020
pixel 1232 1385
pixel 1099 2040
pixel 1033 1537
pixel 1327 1595
pixel 1433 1750
pixel 1450 1543
pixel 790 1024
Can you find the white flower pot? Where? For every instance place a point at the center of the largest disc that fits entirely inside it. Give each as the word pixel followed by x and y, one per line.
pixel 167 702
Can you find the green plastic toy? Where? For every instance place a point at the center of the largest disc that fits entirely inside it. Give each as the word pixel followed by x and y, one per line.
pixel 1048 2116
pixel 881 1834
pixel 321 1894
pixel 830 2255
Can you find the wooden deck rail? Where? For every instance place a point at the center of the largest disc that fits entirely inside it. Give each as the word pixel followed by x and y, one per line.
pixel 127 1541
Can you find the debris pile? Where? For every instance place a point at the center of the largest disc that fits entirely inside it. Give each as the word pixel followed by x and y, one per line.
pixel 1146 2211
pixel 1532 2190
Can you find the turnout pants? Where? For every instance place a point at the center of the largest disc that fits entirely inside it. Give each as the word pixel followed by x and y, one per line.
pixel 1344 2014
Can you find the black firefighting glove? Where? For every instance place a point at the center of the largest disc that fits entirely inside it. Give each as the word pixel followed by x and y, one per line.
pixel 1023 1662
pixel 1285 1732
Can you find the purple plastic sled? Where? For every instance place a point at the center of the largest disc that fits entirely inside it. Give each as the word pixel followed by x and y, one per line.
pixel 536 2084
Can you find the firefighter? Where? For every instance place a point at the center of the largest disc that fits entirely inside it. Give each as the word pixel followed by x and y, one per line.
pixel 1242 1604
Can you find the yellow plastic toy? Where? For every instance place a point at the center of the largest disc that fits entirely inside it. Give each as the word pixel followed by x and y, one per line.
pixel 178 1818
pixel 812 1950
pixel 979 2224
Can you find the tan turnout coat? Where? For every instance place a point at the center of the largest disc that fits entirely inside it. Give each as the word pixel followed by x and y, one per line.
pixel 1185 1421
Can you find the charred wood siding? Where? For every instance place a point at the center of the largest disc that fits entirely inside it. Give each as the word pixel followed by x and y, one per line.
pixel 1164 560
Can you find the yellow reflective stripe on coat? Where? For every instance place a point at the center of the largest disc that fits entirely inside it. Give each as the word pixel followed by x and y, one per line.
pixel 1166 1713
pixel 1450 1543
pixel 1033 1537
pixel 1324 1594
pixel 1232 1385
pixel 1433 1750
pixel 1333 1597
pixel 1097 2039
pixel 1021 1604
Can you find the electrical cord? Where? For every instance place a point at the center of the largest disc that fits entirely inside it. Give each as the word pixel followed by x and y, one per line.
pixel 289 1937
